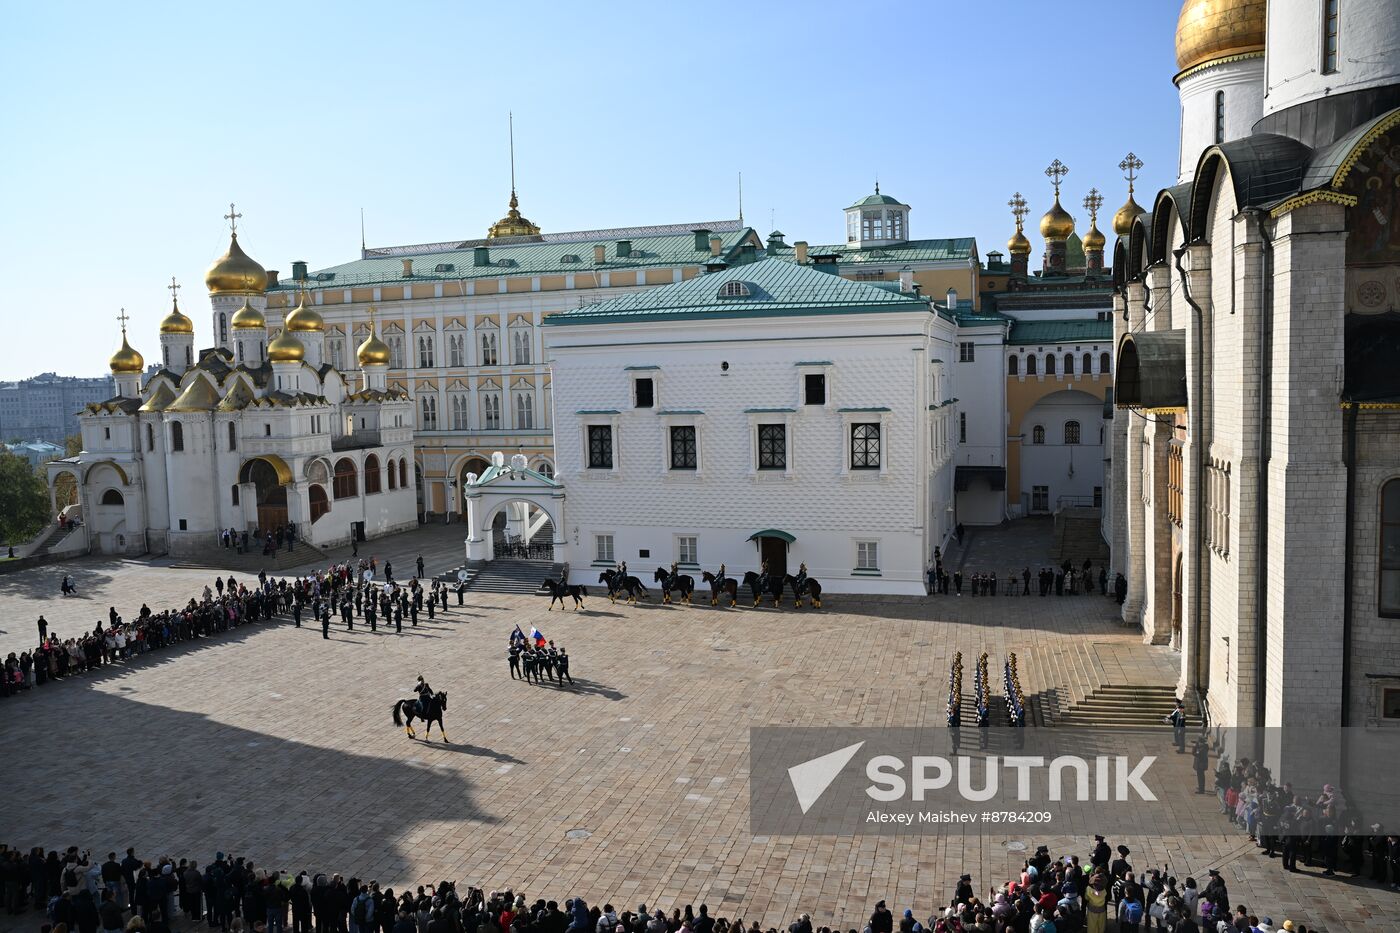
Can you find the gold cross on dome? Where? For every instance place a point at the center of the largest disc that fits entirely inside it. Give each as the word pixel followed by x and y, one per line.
pixel 1056 171
pixel 371 319
pixel 123 317
pixel 232 218
pixel 1018 208
pixel 1092 202
pixel 1130 164
pixel 173 287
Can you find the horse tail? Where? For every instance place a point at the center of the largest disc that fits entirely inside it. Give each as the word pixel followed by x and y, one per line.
pixel 397 720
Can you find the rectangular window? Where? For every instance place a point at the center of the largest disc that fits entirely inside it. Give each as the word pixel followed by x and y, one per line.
pixel 1040 498
pixel 865 447
pixel 600 451
pixel 604 547
pixel 1329 37
pixel 683 447
pixel 645 393
pixel 1390 550
pixel 772 447
pixel 1390 703
pixel 814 388
pixel 1098 497
pixel 867 555
pixel 1219 117
pixel 962 427
pixel 966 352
pixel 688 549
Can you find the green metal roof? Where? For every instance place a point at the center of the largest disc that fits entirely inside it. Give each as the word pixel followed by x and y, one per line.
pixel 875 200
pixel 876 408
pixel 777 288
pixel 773 533
pixel 950 249
pixel 1060 332
pixel 768 411
pixel 544 258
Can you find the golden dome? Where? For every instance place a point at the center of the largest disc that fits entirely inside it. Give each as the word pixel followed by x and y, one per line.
pixel 1094 239
pixel 235 273
pixel 248 318
pixel 126 360
pixel 1123 220
pixel 1211 29
pixel 1057 224
pixel 373 352
pixel 1018 245
pixel 302 319
pixel 176 322
pixel 199 395
pixel 286 349
pixel 512 224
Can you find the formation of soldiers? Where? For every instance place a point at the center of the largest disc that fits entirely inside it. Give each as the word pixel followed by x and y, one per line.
pixel 534 663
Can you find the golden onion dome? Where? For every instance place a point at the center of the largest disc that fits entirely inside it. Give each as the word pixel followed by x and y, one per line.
pixel 1123 220
pixel 1057 224
pixel 248 318
pixel 513 224
pixel 373 352
pixel 176 322
pixel 126 360
pixel 1018 245
pixel 302 319
pixel 235 273
pixel 1211 29
pixel 286 349
pixel 1094 239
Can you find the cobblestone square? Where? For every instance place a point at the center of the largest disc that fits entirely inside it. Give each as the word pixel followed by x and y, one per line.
pixel 272 743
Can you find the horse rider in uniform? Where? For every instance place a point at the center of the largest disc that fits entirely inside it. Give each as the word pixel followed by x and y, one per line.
pixel 801 578
pixel 425 696
pixel 719 578
pixel 763 577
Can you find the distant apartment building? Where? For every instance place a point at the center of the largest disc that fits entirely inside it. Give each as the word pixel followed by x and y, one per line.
pixel 45 407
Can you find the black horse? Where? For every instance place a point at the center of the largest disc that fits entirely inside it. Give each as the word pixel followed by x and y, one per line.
pixel 810 588
pixel 773 587
pixel 616 584
pixel 730 588
pixel 558 589
pixel 433 714
pixel 682 583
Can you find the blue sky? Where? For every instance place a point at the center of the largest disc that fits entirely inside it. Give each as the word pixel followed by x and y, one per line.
pixel 129 128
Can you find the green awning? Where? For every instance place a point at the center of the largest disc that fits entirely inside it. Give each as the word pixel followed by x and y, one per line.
pixel 772 533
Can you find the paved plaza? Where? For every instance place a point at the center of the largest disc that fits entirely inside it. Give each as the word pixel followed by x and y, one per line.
pixel 272 743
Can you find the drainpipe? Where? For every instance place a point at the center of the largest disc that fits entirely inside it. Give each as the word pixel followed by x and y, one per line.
pixel 1266 366
pixel 1348 558
pixel 1198 462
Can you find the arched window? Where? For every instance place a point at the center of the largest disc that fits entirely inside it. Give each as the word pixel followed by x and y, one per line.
pixel 1013 365
pixel 233 490
pixel 1105 363
pixel 345 485
pixel 232 436
pixel 545 469
pixel 1088 364
pixel 1049 364
pixel 371 474
pixel 734 289
pixel 1390 549
pixel 1219 117
pixel 177 436
pixel 488 349
pixel 1038 434
pixel 189 360
pixel 1069 364
pixel 1071 432
pixel 403 472
pixel 112 497
pixel 1030 364
pixel 520 347
pixel 429 407
pixel 393 476
pixel 319 504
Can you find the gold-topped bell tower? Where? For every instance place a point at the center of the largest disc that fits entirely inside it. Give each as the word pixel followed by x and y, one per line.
pixel 1056 226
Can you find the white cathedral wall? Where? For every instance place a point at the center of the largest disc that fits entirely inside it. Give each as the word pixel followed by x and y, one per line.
pixel 1242 83
pixel 192 483
pixel 645 506
pixel 1368 50
pixel 1375 649
pixel 157 517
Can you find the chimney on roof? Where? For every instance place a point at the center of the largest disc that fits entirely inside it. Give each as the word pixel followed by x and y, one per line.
pixel 952 299
pixel 826 262
pixel 716 244
pixel 299 270
pixel 408 268
pixel 801 252
pixel 600 253
pixel 624 249
pixel 272 278
pixel 775 243
pixel 906 281
pixel 481 255
pixel 702 238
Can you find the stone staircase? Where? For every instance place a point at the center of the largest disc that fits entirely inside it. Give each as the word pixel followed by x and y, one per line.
pixel 1077 536
pixel 52 538
pixel 521 577
pixel 1129 706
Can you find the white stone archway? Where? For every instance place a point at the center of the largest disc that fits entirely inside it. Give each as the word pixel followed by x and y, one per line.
pixel 501 484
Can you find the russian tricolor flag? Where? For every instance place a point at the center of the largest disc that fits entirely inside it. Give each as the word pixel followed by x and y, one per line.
pixel 537 637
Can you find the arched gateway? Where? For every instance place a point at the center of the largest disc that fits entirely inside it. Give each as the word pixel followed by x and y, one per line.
pixel 506 486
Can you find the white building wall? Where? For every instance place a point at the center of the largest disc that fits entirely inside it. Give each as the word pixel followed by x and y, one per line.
pixel 1368 51
pixel 1242 85
pixel 980 388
